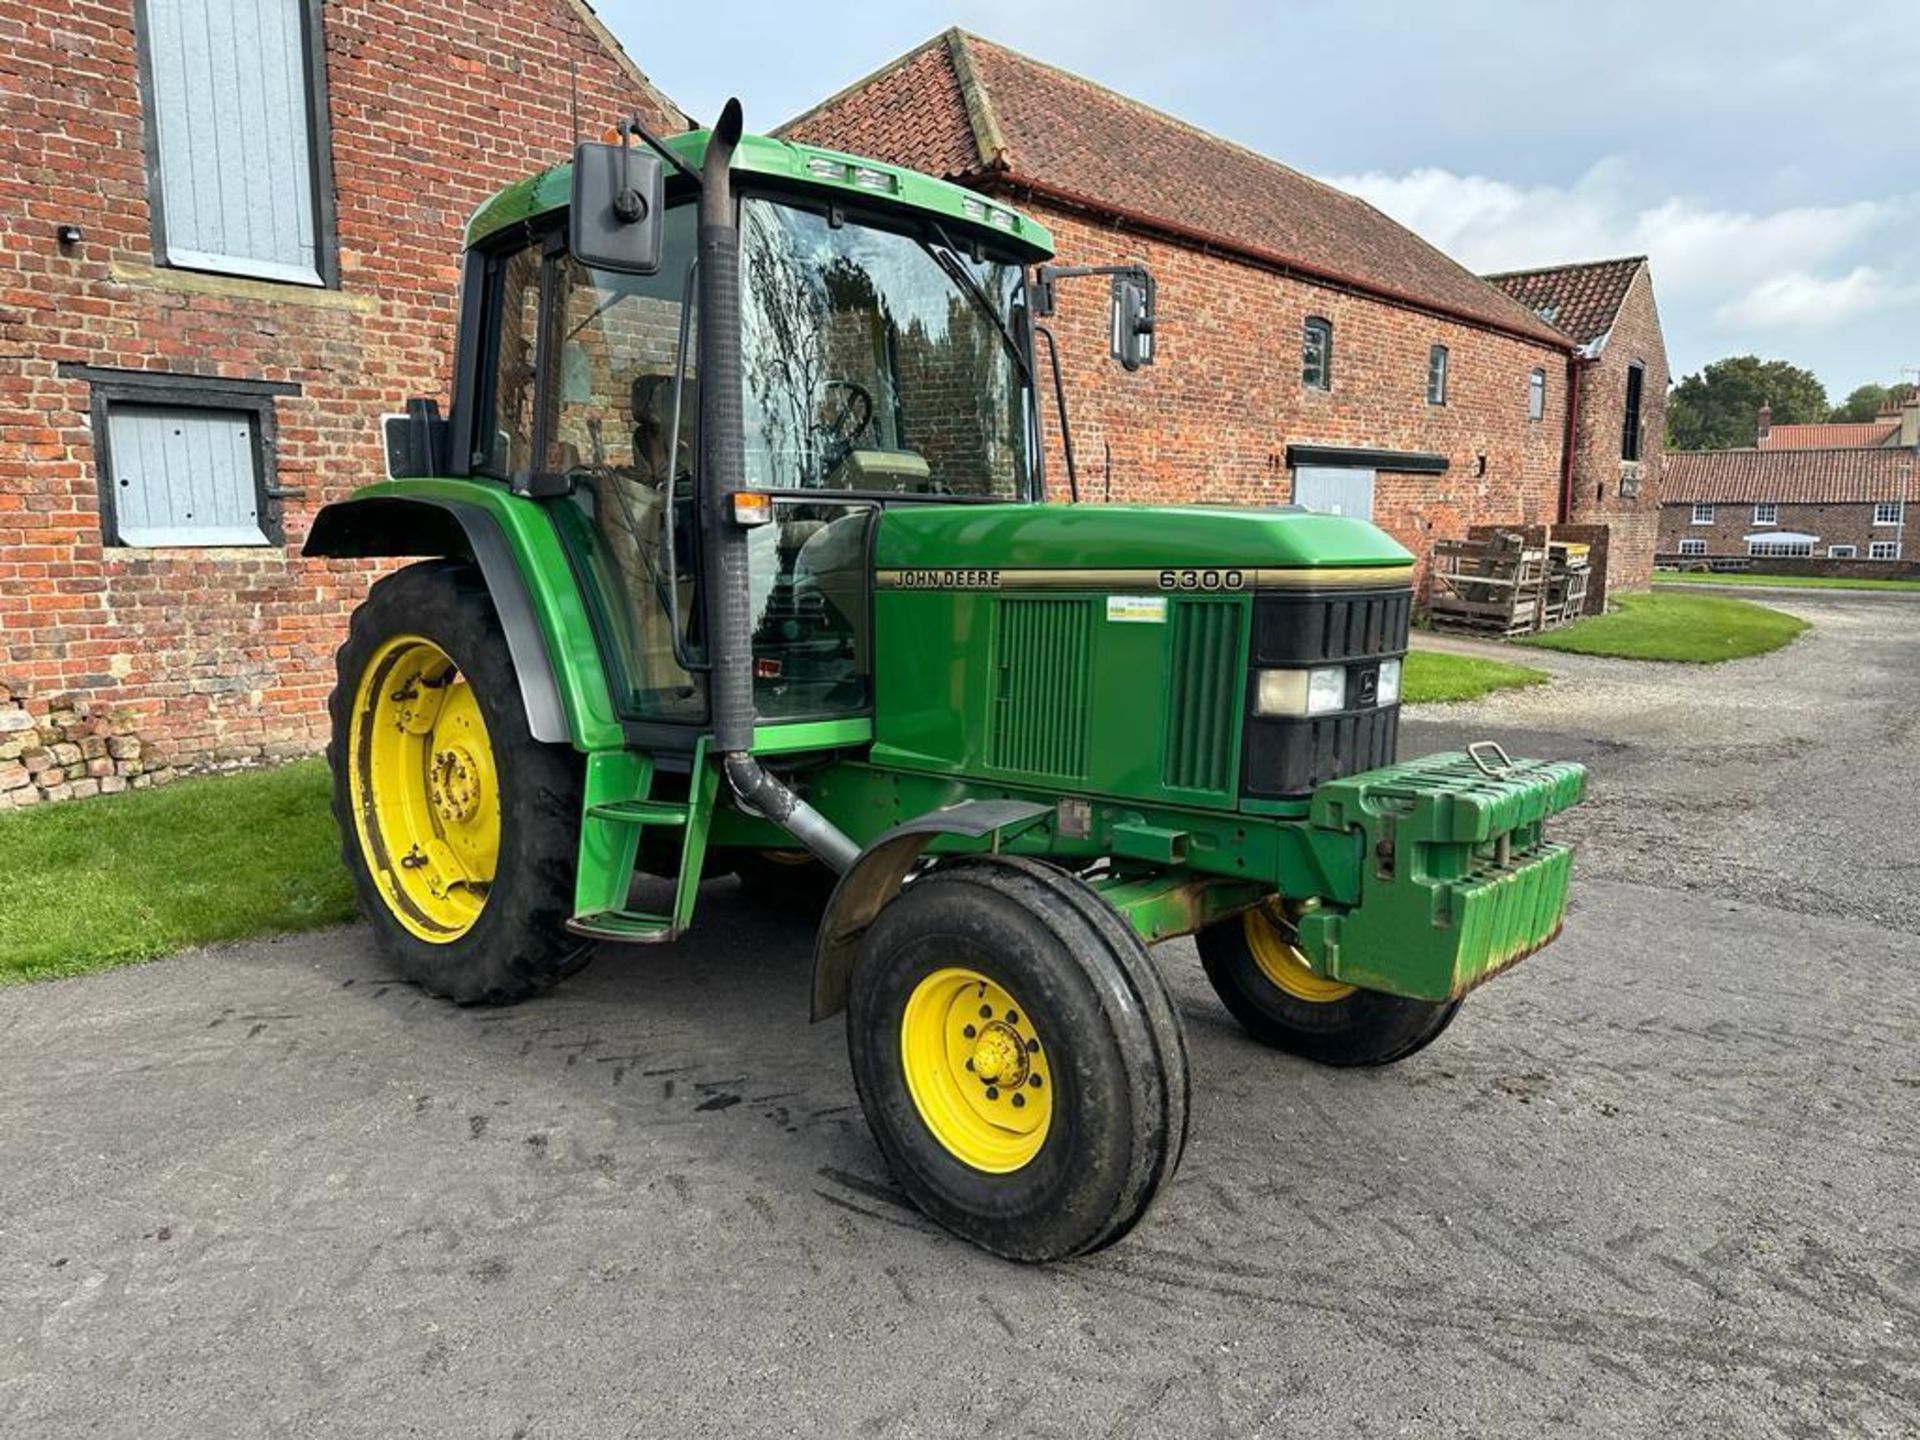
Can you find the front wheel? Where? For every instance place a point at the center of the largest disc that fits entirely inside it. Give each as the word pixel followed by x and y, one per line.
pixel 1261 976
pixel 459 829
pixel 1018 1058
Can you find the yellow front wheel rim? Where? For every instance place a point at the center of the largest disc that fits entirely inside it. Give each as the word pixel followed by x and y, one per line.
pixel 1281 962
pixel 976 1070
pixel 425 789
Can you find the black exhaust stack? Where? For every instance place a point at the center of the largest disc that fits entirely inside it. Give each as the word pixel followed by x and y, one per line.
pixel 722 475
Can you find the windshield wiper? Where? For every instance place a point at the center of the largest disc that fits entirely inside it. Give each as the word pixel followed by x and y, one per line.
pixel 947 258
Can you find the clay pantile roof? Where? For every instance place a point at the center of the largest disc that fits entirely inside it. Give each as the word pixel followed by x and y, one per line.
pixel 1863 435
pixel 1580 299
pixel 967 109
pixel 1788 477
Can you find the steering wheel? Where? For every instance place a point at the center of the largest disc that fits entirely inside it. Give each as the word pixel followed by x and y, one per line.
pixel 846 411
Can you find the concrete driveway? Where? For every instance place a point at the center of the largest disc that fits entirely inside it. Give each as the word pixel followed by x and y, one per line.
pixel 1665 1180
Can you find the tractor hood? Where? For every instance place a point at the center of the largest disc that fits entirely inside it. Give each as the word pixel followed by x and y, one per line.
pixel 922 540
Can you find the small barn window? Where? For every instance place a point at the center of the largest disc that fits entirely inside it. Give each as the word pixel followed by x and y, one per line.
pixel 1842 552
pixel 1888 512
pixel 1316 353
pixel 1437 375
pixel 1766 514
pixel 1630 420
pixel 1537 395
pixel 1703 514
pixel 1883 549
pixel 1695 546
pixel 237 166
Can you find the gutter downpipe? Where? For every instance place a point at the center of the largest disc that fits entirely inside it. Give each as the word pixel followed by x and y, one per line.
pixel 722 475
pixel 1576 362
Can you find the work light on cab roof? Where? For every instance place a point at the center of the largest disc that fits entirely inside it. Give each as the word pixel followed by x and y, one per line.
pixel 739 551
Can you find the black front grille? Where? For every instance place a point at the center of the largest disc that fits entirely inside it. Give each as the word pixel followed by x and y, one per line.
pixel 1286 757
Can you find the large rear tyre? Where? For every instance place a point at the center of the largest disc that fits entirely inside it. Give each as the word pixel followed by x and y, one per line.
pixel 1018 1058
pixel 1263 979
pixel 460 830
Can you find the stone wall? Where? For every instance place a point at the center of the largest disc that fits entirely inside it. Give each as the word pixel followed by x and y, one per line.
pixel 62 748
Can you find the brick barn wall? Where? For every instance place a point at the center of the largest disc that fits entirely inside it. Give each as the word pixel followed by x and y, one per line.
pixel 1598 469
pixel 1211 419
pixel 225 654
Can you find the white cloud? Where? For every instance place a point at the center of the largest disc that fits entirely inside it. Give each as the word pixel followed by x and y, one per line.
pixel 1797 300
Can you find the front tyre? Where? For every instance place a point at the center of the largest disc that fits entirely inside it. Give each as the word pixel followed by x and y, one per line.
pixel 1261 976
pixel 1018 1058
pixel 459 829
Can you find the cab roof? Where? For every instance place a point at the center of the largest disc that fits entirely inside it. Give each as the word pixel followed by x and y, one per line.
pixel 871 182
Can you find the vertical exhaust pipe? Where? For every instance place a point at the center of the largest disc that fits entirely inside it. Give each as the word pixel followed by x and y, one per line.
pixel 722 474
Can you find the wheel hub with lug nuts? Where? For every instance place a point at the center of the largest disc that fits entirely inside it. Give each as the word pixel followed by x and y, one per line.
pixel 453 783
pixel 976 1070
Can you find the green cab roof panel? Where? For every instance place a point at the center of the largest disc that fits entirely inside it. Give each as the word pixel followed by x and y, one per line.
pixel 869 182
pixel 1126 537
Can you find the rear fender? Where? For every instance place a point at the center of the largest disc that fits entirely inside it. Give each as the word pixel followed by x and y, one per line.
pixel 563 683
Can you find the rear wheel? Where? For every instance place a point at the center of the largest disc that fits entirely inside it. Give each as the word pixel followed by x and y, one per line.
pixel 1261 976
pixel 459 829
pixel 1018 1058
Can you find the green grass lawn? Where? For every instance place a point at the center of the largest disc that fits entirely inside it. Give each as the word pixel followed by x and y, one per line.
pixel 1700 629
pixel 1433 675
pixel 1789 582
pixel 101 882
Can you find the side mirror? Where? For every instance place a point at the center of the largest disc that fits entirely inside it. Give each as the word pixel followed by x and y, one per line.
pixel 1131 330
pixel 416 442
pixel 619 209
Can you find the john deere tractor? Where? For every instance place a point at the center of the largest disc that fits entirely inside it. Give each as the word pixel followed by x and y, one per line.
pixel 735 553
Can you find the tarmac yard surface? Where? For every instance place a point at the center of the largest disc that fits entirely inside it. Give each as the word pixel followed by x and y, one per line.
pixel 1662 1181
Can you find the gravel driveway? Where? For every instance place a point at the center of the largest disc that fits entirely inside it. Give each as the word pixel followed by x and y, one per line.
pixel 1663 1181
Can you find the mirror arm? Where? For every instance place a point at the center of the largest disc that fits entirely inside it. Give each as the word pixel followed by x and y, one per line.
pixel 1060 403
pixel 633 126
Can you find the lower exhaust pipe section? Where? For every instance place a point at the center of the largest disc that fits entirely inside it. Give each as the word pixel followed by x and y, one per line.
pixel 766 796
pixel 722 475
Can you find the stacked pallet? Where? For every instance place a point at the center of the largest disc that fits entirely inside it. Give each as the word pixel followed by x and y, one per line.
pixel 1501 584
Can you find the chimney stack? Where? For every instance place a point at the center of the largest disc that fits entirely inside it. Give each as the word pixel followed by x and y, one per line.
pixel 1766 422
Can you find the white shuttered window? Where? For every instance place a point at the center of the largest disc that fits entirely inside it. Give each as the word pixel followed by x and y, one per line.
pixel 233 154
pixel 184 476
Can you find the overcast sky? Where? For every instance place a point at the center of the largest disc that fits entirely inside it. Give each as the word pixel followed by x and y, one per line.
pixel 1766 156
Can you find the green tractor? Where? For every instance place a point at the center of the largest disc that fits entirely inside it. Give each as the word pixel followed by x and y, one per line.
pixel 734 553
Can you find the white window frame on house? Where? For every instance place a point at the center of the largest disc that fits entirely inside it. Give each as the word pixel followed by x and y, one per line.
pixel 1693 546
pixel 1786 549
pixel 1537 395
pixel 1843 552
pixel 1437 361
pixel 1702 514
pixel 1883 549
pixel 1889 512
pixel 1316 361
pixel 238 149
pixel 1766 514
pixel 214 508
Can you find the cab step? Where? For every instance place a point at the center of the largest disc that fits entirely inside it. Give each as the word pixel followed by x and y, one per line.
pixel 625 927
pixel 640 812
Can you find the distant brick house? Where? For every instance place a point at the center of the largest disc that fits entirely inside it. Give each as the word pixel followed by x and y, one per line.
pixel 228 243
pixel 1620 400
pixel 1308 347
pixel 1896 427
pixel 1851 505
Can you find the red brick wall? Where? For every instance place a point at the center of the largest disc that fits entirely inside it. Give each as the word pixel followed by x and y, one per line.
pixel 1599 471
pixel 1211 419
pixel 225 654
pixel 1834 524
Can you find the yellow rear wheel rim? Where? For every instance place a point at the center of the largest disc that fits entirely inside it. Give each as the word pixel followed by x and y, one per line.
pixel 425 789
pixel 976 1070
pixel 1281 962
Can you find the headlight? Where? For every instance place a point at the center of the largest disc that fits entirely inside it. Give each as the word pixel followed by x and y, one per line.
pixel 1389 693
pixel 1319 691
